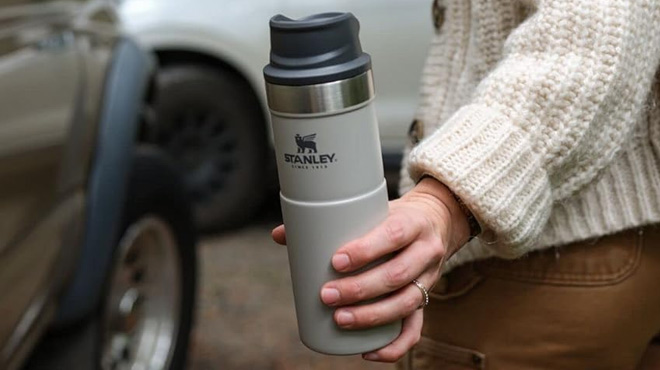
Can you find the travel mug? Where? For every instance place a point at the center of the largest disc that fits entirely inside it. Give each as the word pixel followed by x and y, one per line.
pixel 320 93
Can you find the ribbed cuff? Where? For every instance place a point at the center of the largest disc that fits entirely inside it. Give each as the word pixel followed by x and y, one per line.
pixel 487 161
pixel 627 195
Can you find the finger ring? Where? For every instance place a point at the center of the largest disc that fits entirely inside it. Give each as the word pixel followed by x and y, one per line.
pixel 425 294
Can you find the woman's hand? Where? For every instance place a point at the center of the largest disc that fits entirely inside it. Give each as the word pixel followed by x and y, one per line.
pixel 423 228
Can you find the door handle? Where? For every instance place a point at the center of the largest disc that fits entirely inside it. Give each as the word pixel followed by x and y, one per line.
pixel 56 42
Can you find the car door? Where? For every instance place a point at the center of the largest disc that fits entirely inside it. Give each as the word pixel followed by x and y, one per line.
pixel 396 33
pixel 39 84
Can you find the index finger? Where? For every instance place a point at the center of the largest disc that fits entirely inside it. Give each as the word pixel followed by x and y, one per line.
pixel 391 235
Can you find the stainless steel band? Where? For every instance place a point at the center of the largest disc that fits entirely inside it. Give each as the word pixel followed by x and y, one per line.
pixel 322 98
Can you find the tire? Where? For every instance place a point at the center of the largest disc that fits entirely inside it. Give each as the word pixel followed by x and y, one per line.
pixel 154 271
pixel 210 123
pixel 156 200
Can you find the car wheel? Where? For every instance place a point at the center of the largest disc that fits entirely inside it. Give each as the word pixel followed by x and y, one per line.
pixel 146 315
pixel 210 123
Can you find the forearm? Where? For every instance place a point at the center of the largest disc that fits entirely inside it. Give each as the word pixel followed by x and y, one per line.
pixel 549 118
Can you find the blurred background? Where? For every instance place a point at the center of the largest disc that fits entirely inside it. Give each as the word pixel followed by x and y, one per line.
pixel 138 184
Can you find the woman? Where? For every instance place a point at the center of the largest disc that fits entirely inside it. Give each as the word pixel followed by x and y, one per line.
pixel 538 133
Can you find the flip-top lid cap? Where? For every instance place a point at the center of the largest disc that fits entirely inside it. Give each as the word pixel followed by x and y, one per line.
pixel 316 49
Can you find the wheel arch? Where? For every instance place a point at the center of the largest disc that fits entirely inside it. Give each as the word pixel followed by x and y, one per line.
pixel 126 87
pixel 171 55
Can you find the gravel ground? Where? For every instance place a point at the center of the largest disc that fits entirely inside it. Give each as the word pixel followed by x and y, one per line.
pixel 245 312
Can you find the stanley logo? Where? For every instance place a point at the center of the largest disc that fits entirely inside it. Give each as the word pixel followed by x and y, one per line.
pixel 308 156
pixel 306 142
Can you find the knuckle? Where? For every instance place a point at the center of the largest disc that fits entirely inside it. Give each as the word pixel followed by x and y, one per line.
pixel 396 275
pixel 393 356
pixel 357 252
pixel 370 319
pixel 434 259
pixel 354 290
pixel 410 303
pixel 395 231
pixel 360 253
pixel 438 249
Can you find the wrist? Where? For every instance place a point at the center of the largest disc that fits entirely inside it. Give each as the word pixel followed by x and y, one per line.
pixel 456 214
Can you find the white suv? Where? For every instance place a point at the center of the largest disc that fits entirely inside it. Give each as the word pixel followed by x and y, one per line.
pixel 210 110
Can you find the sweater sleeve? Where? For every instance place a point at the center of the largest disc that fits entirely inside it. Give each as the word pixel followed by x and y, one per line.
pixel 555 112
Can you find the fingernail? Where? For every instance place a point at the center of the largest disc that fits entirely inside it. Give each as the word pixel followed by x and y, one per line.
pixel 340 262
pixel 370 356
pixel 345 318
pixel 329 295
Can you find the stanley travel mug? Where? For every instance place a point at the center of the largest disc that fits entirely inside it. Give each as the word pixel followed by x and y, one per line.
pixel 320 93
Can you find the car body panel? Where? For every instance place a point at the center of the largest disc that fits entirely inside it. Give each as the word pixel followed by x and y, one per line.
pixel 55 87
pixel 395 32
pixel 39 87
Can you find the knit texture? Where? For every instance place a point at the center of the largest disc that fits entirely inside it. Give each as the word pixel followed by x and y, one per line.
pixel 542 118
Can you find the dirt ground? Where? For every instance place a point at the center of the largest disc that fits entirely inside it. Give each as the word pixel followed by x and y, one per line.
pixel 245 313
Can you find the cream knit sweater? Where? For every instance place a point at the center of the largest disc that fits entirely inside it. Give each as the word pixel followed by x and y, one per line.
pixel 542 117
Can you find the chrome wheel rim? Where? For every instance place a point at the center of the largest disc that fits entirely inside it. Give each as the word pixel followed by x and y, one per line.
pixel 142 312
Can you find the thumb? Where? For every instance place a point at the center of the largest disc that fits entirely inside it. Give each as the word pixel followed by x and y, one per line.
pixel 279 235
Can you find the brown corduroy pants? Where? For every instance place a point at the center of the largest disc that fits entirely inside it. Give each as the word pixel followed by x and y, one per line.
pixel 590 305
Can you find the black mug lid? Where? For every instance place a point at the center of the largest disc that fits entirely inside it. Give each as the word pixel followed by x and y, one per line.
pixel 316 49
